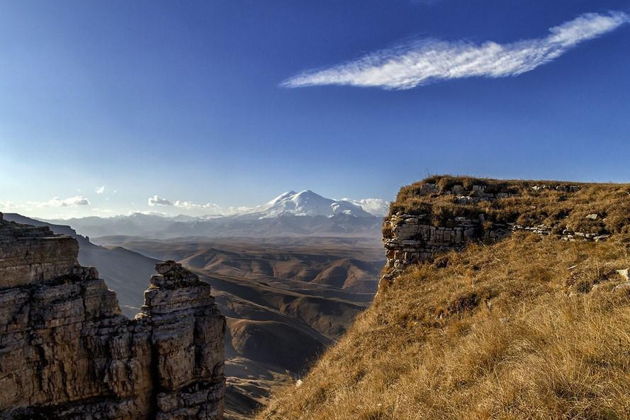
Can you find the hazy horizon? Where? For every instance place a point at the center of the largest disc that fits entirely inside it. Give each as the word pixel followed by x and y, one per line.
pixel 160 206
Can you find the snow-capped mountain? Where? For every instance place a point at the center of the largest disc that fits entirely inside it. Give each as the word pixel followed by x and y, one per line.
pixel 307 203
pixel 292 213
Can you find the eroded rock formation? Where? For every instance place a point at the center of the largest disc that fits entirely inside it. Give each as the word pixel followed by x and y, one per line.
pixel 429 218
pixel 413 238
pixel 67 352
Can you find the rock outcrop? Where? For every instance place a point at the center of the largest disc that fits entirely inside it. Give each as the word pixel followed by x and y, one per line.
pixel 446 213
pixel 67 352
pixel 419 236
pixel 411 239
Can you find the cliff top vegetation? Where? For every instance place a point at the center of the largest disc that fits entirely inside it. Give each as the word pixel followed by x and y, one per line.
pixel 579 207
pixel 530 327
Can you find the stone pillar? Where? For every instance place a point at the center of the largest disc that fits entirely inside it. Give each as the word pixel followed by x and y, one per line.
pixel 188 345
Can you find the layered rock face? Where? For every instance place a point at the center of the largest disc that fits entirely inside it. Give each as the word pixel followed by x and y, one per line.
pixel 446 213
pixel 67 352
pixel 187 344
pixel 413 238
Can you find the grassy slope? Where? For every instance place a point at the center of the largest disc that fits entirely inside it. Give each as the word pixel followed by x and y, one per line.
pixel 530 327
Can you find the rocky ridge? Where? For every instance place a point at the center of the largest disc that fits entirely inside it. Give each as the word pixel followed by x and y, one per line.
pixel 67 352
pixel 447 213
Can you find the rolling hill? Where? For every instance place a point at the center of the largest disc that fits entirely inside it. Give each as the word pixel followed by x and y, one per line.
pixel 286 300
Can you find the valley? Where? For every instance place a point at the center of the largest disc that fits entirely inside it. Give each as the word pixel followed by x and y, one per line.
pixel 500 299
pixel 495 297
pixel 286 299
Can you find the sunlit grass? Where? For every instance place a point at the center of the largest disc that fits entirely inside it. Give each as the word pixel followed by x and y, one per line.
pixel 528 328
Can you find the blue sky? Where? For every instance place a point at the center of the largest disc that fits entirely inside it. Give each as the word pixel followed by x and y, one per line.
pixel 233 102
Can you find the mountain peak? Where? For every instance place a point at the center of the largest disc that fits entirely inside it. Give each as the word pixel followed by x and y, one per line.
pixel 308 203
pixel 281 197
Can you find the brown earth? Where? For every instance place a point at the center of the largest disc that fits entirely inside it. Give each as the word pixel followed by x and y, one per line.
pixel 286 300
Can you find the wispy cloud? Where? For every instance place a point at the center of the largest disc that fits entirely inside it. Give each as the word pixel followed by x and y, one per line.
pixel 158 201
pixel 189 205
pixel 375 206
pixel 420 62
pixel 75 201
pixel 192 208
pixel 100 190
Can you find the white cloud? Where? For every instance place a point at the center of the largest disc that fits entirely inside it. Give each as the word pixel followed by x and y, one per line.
pixel 9 206
pixel 420 62
pixel 189 205
pixel 158 201
pixel 209 209
pixel 374 206
pixel 100 190
pixel 77 200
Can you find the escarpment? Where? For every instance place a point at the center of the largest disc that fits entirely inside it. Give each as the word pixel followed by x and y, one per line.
pixel 67 352
pixel 444 213
pixel 499 299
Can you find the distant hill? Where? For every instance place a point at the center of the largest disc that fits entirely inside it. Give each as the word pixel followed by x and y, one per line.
pixel 286 299
pixel 159 227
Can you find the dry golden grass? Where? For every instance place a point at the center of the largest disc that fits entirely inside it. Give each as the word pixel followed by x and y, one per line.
pixel 528 328
pixel 553 203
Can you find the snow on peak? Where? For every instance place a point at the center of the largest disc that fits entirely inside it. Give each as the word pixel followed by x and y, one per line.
pixel 308 203
pixel 281 197
pixel 291 203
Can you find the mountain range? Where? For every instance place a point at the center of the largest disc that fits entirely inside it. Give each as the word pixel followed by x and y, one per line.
pixel 303 203
pixel 290 214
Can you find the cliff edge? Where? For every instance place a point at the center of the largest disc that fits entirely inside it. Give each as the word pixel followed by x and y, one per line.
pixel 445 213
pixel 67 352
pixel 499 299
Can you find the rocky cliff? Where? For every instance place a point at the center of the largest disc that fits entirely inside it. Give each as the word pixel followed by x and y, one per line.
pixel 446 213
pixel 67 352
pixel 500 300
